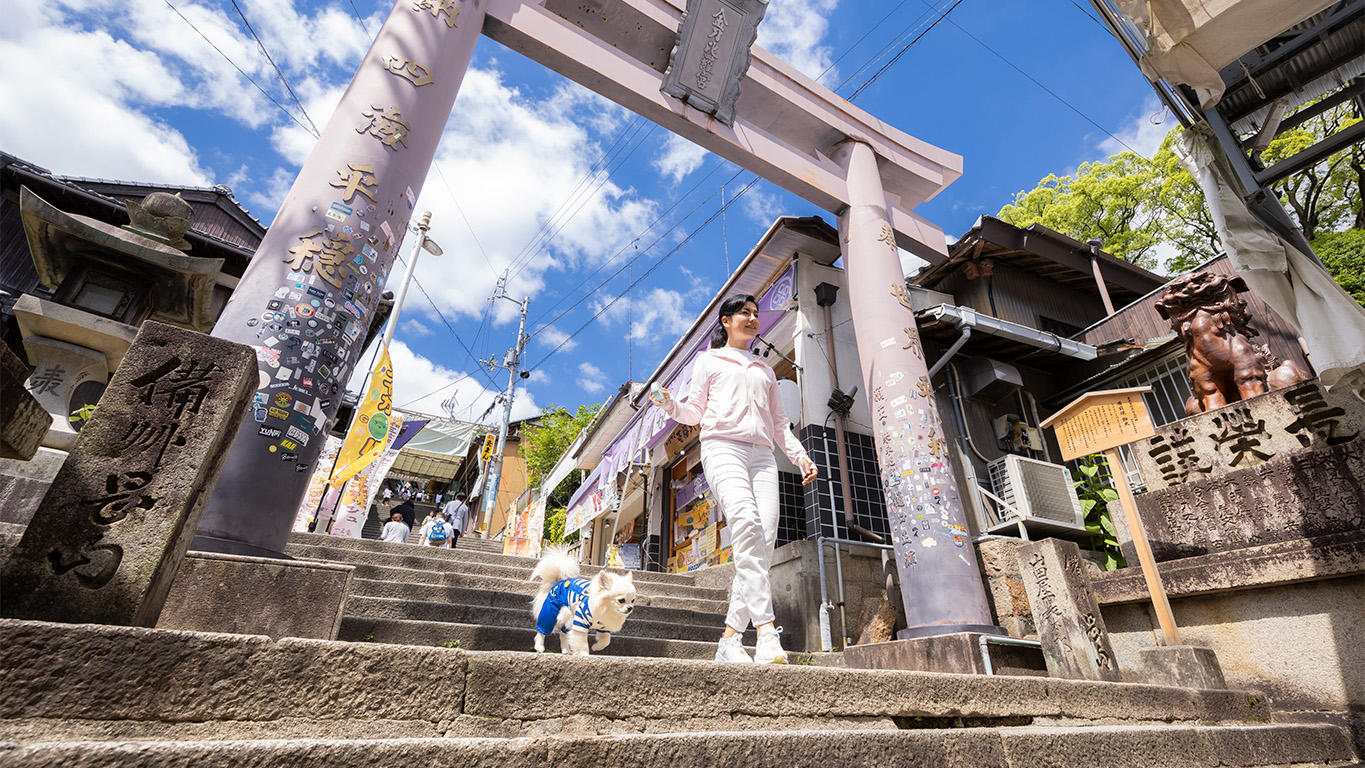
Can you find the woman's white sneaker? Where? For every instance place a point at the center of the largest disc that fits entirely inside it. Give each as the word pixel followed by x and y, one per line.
pixel 732 649
pixel 769 647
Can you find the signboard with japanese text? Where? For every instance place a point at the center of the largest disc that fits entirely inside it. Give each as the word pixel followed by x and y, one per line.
pixel 1098 421
pixel 488 443
pixel 712 54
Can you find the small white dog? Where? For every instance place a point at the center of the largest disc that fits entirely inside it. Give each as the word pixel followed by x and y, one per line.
pixel 573 606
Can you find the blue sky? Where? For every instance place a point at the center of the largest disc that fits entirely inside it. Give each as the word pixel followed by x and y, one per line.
pixel 127 89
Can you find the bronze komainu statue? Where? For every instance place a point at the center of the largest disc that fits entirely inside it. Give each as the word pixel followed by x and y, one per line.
pixel 1225 366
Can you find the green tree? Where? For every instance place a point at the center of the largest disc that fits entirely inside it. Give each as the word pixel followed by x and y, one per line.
pixel 1343 253
pixel 1111 199
pixel 541 448
pixel 1182 211
pixel 547 440
pixel 1325 196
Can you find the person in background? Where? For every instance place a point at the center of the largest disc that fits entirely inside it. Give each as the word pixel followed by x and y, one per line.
pixel 388 497
pixel 406 510
pixel 457 512
pixel 395 530
pixel 735 399
pixel 436 532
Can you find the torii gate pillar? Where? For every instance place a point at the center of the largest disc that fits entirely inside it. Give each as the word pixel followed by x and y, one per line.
pixel 306 300
pixel 940 582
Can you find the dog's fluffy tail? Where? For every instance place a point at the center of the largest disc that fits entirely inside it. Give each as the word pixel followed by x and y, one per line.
pixel 555 566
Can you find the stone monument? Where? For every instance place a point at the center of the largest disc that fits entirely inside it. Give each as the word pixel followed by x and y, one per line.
pixel 1070 627
pixel 112 531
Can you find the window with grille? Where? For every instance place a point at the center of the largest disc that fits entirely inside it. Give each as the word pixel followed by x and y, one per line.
pixel 1169 379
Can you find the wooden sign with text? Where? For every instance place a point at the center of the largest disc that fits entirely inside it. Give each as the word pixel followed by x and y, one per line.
pixel 1098 421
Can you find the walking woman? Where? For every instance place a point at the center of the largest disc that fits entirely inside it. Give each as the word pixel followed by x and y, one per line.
pixel 735 399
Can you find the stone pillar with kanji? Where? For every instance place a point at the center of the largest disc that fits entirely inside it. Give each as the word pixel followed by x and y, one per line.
pixel 940 582
pixel 306 301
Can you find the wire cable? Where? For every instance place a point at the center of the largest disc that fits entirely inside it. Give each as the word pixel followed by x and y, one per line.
pixel 239 69
pixel 903 51
pixel 261 44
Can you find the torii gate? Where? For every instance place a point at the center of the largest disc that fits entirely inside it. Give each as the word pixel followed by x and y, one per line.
pixel 319 272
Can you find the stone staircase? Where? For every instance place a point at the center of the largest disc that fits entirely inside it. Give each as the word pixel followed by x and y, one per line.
pixel 85 696
pixel 481 600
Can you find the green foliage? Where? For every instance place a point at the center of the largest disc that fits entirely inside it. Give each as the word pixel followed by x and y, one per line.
pixel 1325 196
pixel 451 644
pixel 1095 496
pixel 554 526
pixel 1113 200
pixel 1343 253
pixel 544 443
pixel 368 638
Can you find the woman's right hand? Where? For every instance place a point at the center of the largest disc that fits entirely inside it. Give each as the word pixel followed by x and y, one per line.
pixel 659 395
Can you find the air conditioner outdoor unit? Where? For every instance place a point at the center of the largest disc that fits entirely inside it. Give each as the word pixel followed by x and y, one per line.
pixel 1037 494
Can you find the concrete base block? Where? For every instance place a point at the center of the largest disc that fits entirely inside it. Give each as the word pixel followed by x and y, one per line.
pixel 214 592
pixel 1186 666
pixel 23 484
pixel 958 653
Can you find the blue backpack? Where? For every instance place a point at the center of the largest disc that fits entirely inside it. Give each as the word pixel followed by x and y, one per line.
pixel 439 531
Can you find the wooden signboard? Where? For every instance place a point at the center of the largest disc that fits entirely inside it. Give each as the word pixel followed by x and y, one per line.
pixel 1099 422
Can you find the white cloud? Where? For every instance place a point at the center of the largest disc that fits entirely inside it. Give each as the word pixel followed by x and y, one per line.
pixel 761 206
pixel 794 29
pixel 496 140
pixel 552 337
pixel 591 379
pixel 655 314
pixel 419 384
pixel 1141 133
pixel 678 158
pixel 415 328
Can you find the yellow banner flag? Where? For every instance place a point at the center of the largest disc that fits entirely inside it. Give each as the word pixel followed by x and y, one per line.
pixel 370 430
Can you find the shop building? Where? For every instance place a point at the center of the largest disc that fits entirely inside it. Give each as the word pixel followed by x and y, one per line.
pixel 1013 323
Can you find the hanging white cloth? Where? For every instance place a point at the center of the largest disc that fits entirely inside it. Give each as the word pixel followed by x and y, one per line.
pixel 1297 287
pixel 1189 41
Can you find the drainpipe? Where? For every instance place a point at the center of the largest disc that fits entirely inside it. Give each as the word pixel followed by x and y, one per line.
pixel 942 361
pixel 1094 244
pixel 955 394
pixel 824 297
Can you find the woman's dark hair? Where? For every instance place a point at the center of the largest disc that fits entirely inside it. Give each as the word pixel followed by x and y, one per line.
pixel 727 308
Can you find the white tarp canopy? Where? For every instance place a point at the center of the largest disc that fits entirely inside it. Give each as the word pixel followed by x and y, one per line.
pixel 1331 322
pixel 444 438
pixel 1189 41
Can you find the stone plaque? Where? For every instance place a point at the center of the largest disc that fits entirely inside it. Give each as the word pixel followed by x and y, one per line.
pixel 1070 627
pixel 712 54
pixel 1284 465
pixel 1297 419
pixel 105 544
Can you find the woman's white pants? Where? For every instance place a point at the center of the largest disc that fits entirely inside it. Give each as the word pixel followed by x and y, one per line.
pixel 743 480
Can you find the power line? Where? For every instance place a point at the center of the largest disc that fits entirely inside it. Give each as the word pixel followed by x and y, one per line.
pixel 1034 80
pixel 239 69
pixel 637 256
pixel 903 51
pixel 270 59
pixel 648 272
pixel 439 314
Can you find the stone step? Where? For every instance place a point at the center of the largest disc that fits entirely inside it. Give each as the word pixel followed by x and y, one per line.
pixel 514 595
pixel 1027 747
pixel 150 698
pixel 434 558
pixel 518 584
pixel 661 623
pixel 130 673
pixel 486 637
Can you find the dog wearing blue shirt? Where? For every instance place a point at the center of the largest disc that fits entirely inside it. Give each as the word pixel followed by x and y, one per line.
pixel 572 606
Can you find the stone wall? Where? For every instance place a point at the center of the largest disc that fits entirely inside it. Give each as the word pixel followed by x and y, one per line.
pixel 1286 618
pixel 795 575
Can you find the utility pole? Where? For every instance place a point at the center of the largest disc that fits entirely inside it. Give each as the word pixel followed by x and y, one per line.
pixel 512 362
